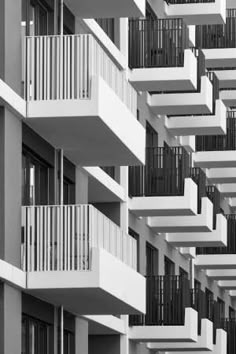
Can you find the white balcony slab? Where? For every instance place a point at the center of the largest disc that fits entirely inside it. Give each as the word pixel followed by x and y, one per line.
pixel 189 252
pixel 107 8
pixel 221 175
pixel 187 103
pixel 216 261
pixel 103 188
pixel 175 334
pixel 184 224
pixel 227 190
pixel 169 205
pixel 228 97
pixel 72 289
pixel 227 78
pixel 204 341
pixel 198 13
pixel 220 57
pixel 232 203
pixel 214 159
pixel 215 238
pixel 85 127
pixel 232 293
pixel 227 284
pixel 221 274
pixel 214 124
pixel 219 348
pixel 167 79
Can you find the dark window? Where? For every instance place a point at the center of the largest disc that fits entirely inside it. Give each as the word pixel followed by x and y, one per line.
pixel 151 136
pixel 68 191
pixel 221 307
pixel 135 235
pixel 231 313
pixel 209 303
pixel 36 336
pixel 169 267
pixel 183 273
pixel 152 257
pixel 197 284
pixel 150 14
pixel 35 179
pixel 108 26
pixel 68 341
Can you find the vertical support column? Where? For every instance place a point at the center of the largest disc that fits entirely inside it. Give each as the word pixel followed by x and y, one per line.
pixel 61 177
pixel 81 186
pixel 10 320
pixel 62 330
pixel 10 187
pixel 124 224
pixel 55 331
pixel 191 272
pixel 124 39
pixel 81 336
pixel 10 43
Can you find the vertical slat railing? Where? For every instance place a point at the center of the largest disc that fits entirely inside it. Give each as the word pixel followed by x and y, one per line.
pixel 61 238
pixel 61 68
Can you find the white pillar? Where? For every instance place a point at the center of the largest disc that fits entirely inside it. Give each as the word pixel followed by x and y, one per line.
pixel 81 336
pixel 81 186
pixel 192 272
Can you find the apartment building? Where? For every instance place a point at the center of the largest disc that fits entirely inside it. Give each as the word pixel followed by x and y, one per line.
pixel 117 176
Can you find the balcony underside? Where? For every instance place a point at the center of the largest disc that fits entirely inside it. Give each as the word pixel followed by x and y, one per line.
pixel 95 291
pixel 219 348
pixel 227 190
pixel 227 78
pixel 107 8
pixel 228 97
pixel 199 13
pixel 169 205
pixel 183 103
pixel 199 125
pixel 197 223
pixel 105 325
pixel 215 238
pixel 167 79
pixel 204 341
pixel 175 334
pixel 214 159
pixel 85 128
pixel 216 261
pixel 220 57
pixel 227 284
pixel 221 175
pixel 221 274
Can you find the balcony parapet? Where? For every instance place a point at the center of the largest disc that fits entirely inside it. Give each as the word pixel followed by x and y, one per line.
pixel 61 238
pixel 62 67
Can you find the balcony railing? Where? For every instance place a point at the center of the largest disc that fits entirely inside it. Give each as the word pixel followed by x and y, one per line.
pixel 198 303
pixel 218 36
pixel 199 177
pixel 214 195
pixel 166 299
pixel 229 325
pixel 176 2
pixel 164 173
pixel 61 68
pixel 60 238
pixel 231 240
pixel 219 142
pixel 157 43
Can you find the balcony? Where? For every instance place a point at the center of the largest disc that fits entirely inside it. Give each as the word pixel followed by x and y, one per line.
pixel 225 145
pixel 218 42
pixel 169 316
pixel 196 12
pixel 66 251
pixel 214 124
pixel 229 325
pixel 158 56
pixel 69 81
pixel 163 186
pixel 107 8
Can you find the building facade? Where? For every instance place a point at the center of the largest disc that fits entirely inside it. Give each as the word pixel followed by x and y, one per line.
pixel 117 176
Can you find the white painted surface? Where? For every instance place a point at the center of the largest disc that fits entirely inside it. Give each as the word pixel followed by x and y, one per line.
pixel 214 159
pixel 9 97
pixel 221 175
pixel 183 103
pixel 220 57
pixel 112 324
pixel 186 333
pixel 215 238
pixel 228 97
pixel 216 261
pixel 202 222
pixel 199 13
pixel 221 274
pixel 169 205
pixel 199 125
pixel 167 79
pixel 227 78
